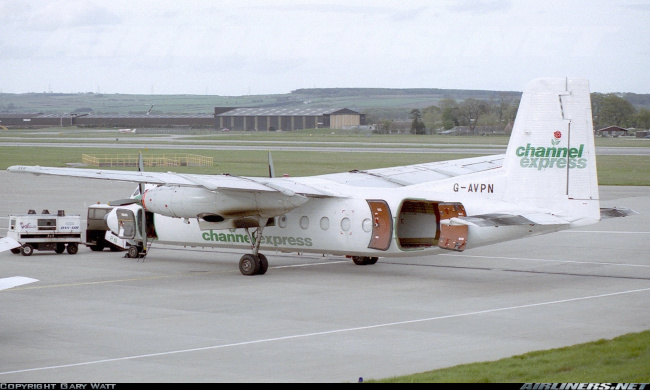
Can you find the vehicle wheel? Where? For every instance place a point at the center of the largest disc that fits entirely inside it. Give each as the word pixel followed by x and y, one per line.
pixel 358 260
pixel 372 260
pixel 60 248
pixel 15 251
pixel 264 264
pixel 249 265
pixel 72 248
pixel 26 250
pixel 97 248
pixel 134 252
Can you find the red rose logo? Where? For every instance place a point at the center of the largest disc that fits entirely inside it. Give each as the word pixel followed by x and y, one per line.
pixel 557 134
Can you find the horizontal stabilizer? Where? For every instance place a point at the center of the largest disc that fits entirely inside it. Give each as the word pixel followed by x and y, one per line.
pixel 616 212
pixel 15 281
pixel 486 220
pixel 8 243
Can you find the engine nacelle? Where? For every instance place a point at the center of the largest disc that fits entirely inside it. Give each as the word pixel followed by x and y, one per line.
pixel 217 206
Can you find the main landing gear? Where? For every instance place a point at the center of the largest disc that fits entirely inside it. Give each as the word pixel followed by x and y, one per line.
pixel 362 260
pixel 255 263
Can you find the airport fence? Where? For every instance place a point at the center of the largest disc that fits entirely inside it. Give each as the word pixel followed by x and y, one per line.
pixel 160 160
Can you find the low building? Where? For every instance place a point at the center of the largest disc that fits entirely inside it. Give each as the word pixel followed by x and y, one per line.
pixel 263 119
pixel 233 118
pixel 612 131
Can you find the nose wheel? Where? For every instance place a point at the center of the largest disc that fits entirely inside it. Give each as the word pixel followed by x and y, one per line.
pixel 250 264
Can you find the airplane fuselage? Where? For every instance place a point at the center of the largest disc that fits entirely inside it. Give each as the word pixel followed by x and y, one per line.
pixel 374 222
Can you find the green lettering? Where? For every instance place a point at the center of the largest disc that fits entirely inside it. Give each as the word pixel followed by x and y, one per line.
pixel 530 151
pixel 550 151
pixel 540 152
pixel 524 162
pixel 520 151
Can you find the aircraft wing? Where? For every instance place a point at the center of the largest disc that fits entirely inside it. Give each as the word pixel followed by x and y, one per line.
pixel 417 173
pixel 15 281
pixel 381 177
pixel 7 243
pixel 210 182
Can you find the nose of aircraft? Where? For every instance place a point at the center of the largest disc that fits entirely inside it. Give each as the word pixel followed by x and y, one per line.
pixel 112 221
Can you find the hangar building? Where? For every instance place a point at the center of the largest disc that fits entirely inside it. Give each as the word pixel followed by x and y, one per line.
pixel 262 119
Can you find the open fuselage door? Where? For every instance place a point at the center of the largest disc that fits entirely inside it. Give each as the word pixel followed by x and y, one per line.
pixel 452 237
pixel 382 225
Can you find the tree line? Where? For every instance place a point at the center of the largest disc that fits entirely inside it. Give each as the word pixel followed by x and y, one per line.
pixel 475 115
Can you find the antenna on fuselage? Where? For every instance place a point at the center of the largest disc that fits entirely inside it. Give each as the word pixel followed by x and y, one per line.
pixel 271 168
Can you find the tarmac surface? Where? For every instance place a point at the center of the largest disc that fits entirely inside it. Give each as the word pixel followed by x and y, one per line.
pixel 188 315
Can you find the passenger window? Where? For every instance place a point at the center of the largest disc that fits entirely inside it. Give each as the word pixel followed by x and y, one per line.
pixel 304 222
pixel 282 221
pixel 324 223
pixel 345 224
pixel 366 225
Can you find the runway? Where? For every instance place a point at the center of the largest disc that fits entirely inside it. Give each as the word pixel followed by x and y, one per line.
pixel 353 147
pixel 188 315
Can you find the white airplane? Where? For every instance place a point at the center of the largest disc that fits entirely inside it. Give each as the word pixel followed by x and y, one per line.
pixel 6 244
pixel 132 131
pixel 545 182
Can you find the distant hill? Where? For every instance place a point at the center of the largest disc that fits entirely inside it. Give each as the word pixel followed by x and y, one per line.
pixel 395 103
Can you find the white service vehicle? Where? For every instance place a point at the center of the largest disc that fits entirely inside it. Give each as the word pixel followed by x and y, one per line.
pixel 45 232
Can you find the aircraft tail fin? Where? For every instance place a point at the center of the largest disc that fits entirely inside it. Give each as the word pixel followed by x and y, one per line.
pixel 551 158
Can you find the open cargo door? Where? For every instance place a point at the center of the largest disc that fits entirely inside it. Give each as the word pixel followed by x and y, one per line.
pixel 453 237
pixel 382 225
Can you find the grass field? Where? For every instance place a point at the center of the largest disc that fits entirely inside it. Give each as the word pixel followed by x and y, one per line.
pixel 612 170
pixel 625 359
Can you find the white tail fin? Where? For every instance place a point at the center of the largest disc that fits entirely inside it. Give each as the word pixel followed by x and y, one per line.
pixel 551 158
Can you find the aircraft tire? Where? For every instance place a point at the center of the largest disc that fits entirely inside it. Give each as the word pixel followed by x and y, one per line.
pixel 72 248
pixel 359 260
pixel 27 250
pixel 134 252
pixel 264 264
pixel 249 265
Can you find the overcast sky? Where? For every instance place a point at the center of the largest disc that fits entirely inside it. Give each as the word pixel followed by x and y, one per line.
pixel 256 47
